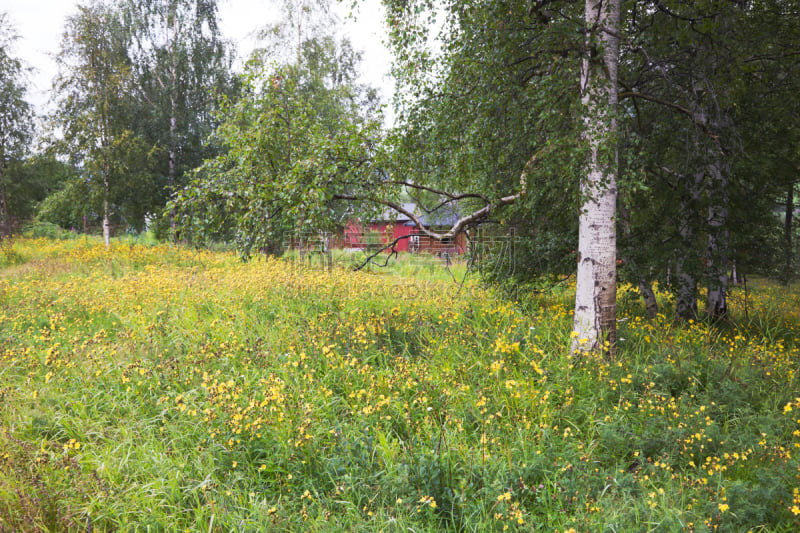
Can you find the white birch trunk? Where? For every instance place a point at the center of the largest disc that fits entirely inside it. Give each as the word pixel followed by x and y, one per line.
pixel 171 177
pixel 687 265
pixel 106 189
pixel 106 225
pixel 596 286
pixel 718 237
pixel 787 233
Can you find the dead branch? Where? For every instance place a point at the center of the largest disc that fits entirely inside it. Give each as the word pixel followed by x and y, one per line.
pixel 372 256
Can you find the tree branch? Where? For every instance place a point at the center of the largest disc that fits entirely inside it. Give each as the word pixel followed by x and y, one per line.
pixel 688 112
pixel 449 195
pixel 372 256
pixel 461 224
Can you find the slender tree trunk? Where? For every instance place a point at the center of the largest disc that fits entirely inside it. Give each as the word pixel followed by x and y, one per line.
pixel 686 301
pixel 5 216
pixel 787 234
pixel 718 237
pixel 106 226
pixel 687 265
pixel 649 297
pixel 173 114
pixel 171 178
pixel 106 216
pixel 596 286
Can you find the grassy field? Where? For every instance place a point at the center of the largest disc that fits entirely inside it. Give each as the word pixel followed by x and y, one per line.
pixel 154 388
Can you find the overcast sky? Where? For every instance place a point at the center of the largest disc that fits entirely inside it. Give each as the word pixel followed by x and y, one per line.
pixel 40 24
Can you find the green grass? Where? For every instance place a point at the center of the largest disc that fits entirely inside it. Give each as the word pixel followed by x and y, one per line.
pixel 153 388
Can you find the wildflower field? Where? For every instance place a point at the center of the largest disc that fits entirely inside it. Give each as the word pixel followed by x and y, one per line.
pixel 155 388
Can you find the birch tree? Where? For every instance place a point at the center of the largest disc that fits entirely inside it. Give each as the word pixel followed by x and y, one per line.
pixel 708 87
pixel 594 325
pixel 16 121
pixel 181 67
pixel 93 92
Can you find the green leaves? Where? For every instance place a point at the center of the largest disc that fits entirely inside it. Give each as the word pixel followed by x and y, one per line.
pixel 498 84
pixel 16 126
pixel 303 132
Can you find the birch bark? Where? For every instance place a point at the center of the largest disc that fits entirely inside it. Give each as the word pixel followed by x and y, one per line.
pixel 686 263
pixel 718 238
pixel 595 297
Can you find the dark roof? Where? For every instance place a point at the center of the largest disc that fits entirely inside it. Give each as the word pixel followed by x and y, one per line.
pixel 445 216
pixel 390 214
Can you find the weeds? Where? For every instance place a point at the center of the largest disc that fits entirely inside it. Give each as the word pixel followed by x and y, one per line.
pixel 163 388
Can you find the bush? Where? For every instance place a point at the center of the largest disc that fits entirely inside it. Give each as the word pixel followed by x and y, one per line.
pixel 47 230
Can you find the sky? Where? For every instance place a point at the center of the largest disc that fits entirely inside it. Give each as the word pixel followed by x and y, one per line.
pixel 40 23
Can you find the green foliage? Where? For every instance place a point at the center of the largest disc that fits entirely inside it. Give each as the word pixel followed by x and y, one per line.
pixel 71 206
pixel 707 141
pixel 38 229
pixel 40 176
pixel 16 129
pixel 181 66
pixel 500 97
pixel 96 107
pixel 299 135
pixel 137 96
pixel 705 102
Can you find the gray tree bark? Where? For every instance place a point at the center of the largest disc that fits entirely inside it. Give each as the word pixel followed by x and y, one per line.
pixel 718 237
pixel 5 215
pixel 787 234
pixel 106 212
pixel 686 263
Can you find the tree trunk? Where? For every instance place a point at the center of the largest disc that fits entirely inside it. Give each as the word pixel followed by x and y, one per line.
pixel 596 286
pixel 5 216
pixel 106 216
pixel 687 265
pixel 787 234
pixel 686 297
pixel 173 116
pixel 718 237
pixel 173 127
pixel 106 225
pixel 686 302
pixel 649 297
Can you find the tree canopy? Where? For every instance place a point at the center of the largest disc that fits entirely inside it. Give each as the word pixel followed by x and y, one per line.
pixel 303 131
pixel 16 129
pixel 699 85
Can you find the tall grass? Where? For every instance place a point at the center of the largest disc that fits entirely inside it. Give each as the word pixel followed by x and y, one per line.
pixel 154 388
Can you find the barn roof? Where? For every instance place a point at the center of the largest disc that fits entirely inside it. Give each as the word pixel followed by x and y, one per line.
pixel 445 216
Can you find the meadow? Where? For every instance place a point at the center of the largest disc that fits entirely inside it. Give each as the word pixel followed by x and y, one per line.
pixel 157 388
